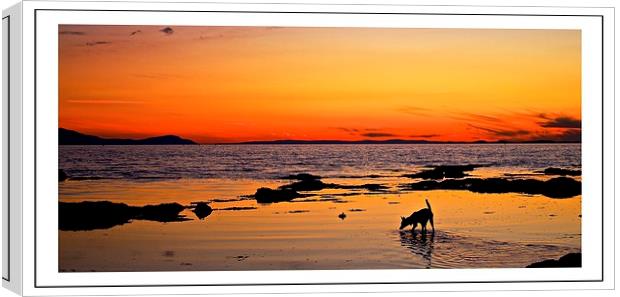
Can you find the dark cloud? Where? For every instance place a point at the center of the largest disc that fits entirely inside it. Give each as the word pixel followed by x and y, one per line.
pixel 503 132
pixel 71 33
pixel 167 31
pixel 424 135
pixel 569 135
pixel 378 134
pixel 561 122
pixel 95 43
pixel 135 32
pixel 572 135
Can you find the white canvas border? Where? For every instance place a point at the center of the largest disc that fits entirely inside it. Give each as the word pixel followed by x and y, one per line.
pixel 28 130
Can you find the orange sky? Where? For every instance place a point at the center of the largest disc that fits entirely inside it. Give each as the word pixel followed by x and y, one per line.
pixel 231 84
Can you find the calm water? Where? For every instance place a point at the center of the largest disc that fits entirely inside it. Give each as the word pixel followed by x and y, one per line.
pixel 473 230
pixel 272 161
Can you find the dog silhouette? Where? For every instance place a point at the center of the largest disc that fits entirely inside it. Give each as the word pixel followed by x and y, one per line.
pixel 422 217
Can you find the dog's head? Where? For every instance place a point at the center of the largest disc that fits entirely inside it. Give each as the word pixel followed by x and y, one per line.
pixel 403 223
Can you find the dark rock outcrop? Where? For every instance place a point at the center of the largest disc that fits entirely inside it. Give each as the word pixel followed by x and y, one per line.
pixel 267 195
pixel 302 176
pixel 561 171
pixel 568 260
pixel 93 215
pixel 62 175
pixel 305 182
pixel 167 212
pixel 201 209
pixel 307 185
pixel 370 187
pixel 444 171
pixel 559 187
pixel 89 215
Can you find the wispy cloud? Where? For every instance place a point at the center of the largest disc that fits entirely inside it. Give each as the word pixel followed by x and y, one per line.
pixel 424 135
pixel 237 33
pixel 502 132
pixel 474 117
pixel 89 101
pixel 345 129
pixel 72 33
pixel 95 43
pixel 378 134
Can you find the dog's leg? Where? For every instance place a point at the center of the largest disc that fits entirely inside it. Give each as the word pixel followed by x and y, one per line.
pixel 432 223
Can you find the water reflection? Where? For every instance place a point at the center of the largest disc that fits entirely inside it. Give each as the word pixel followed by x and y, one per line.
pixel 420 244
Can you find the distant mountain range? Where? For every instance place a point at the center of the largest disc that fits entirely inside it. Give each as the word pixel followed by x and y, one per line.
pixel 389 141
pixel 70 137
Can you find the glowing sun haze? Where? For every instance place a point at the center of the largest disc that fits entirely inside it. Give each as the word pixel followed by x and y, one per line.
pixel 233 84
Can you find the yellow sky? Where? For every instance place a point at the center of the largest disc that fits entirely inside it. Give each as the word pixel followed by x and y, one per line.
pixel 230 84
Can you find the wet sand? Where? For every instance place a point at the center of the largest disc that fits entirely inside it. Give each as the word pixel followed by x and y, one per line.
pixel 473 230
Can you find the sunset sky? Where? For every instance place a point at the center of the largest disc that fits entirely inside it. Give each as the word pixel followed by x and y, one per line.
pixel 233 84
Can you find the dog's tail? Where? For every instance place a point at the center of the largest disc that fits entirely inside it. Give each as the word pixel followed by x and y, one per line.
pixel 431 216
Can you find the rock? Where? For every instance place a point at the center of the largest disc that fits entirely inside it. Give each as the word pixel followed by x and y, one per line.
pixel 307 185
pixel 238 208
pixel 201 209
pixel 309 182
pixel 302 176
pixel 62 175
pixel 92 215
pixel 167 212
pixel 342 216
pixel 267 195
pixel 568 260
pixel 559 187
pixel 370 187
pixel 306 182
pixel 444 171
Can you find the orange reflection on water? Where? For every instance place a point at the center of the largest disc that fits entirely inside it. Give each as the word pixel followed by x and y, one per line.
pixel 473 230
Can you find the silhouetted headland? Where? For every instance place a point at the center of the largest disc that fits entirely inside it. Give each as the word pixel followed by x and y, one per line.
pixel 568 260
pixel 70 137
pixel 92 215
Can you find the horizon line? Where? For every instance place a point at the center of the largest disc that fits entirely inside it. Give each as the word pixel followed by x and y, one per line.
pixel 335 141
